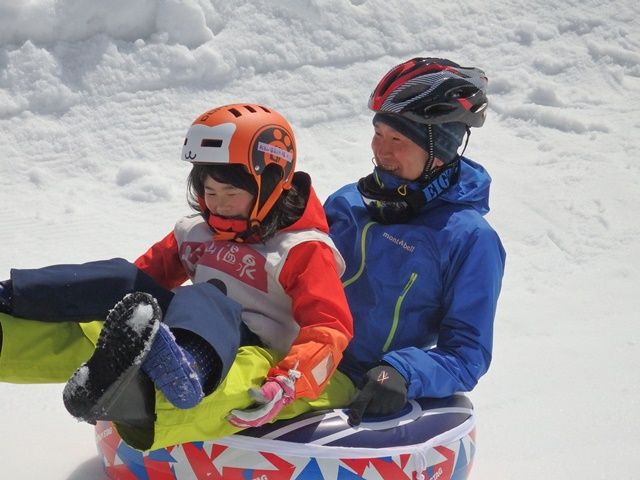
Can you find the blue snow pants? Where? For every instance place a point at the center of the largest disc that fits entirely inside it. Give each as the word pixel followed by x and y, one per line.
pixel 86 292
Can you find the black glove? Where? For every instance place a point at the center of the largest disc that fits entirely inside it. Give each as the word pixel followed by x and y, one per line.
pixel 6 296
pixel 384 393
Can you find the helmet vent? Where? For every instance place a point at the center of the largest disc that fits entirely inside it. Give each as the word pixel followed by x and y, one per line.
pixel 250 108
pixel 265 109
pixel 211 142
pixel 382 89
pixel 461 91
pixel 438 109
pixel 235 113
pixel 409 92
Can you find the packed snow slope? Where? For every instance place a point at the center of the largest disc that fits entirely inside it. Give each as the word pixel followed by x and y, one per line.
pixel 95 99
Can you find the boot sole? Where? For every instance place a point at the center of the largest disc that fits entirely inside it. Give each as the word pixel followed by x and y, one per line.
pixel 124 341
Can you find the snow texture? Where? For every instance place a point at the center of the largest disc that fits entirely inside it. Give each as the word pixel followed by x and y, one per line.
pixel 95 99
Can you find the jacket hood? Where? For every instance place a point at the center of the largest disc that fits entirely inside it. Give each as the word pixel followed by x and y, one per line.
pixel 472 187
pixel 313 215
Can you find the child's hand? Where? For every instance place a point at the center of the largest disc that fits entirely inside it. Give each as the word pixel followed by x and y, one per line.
pixel 275 393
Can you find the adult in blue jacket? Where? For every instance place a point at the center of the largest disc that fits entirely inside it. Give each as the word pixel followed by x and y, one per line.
pixel 424 268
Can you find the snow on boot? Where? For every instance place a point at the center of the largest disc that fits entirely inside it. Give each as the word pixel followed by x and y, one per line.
pixel 173 370
pixel 124 341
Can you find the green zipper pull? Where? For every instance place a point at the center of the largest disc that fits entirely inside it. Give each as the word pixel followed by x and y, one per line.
pixel 363 255
pixel 396 310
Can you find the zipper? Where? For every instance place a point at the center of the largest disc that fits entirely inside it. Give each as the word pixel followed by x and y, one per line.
pixel 396 310
pixel 363 254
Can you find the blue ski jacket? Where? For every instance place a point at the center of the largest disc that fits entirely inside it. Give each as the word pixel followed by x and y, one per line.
pixel 423 294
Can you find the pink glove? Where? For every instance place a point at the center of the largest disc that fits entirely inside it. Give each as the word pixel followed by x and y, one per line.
pixel 275 393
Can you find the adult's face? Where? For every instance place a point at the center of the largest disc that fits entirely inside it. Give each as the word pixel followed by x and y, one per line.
pixel 397 154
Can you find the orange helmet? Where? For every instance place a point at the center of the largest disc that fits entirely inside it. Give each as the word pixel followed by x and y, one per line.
pixel 245 134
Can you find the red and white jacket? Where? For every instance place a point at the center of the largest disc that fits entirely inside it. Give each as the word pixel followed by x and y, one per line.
pixel 289 287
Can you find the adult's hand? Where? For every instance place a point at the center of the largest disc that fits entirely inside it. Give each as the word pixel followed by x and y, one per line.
pixel 384 393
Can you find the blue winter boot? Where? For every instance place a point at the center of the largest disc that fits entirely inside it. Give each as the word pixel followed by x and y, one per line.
pixel 173 369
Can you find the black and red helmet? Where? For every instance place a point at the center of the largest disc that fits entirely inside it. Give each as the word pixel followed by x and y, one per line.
pixel 433 91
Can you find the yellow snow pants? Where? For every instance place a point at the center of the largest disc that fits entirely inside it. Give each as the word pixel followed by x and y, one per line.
pixel 45 352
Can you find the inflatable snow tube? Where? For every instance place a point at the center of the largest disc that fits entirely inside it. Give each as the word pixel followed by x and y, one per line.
pixel 431 439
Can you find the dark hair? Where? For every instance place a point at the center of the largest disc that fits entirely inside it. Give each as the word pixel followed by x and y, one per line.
pixel 287 209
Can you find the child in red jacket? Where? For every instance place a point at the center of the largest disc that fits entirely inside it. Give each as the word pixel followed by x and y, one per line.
pixel 263 270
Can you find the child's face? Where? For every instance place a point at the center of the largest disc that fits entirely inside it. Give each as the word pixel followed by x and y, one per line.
pixel 226 200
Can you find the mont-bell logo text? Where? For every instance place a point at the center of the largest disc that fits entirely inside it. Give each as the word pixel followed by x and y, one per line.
pixel 399 241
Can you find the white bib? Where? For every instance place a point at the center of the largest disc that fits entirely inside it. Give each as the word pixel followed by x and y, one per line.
pixel 251 274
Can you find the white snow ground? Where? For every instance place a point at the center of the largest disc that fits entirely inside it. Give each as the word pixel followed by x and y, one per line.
pixel 95 98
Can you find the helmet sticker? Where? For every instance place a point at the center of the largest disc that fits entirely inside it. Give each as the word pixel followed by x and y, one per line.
pixel 205 144
pixel 273 144
pixel 275 151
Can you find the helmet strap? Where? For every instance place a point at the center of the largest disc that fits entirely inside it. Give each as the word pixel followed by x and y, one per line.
pixel 466 142
pixel 429 163
pixel 429 173
pixel 260 211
